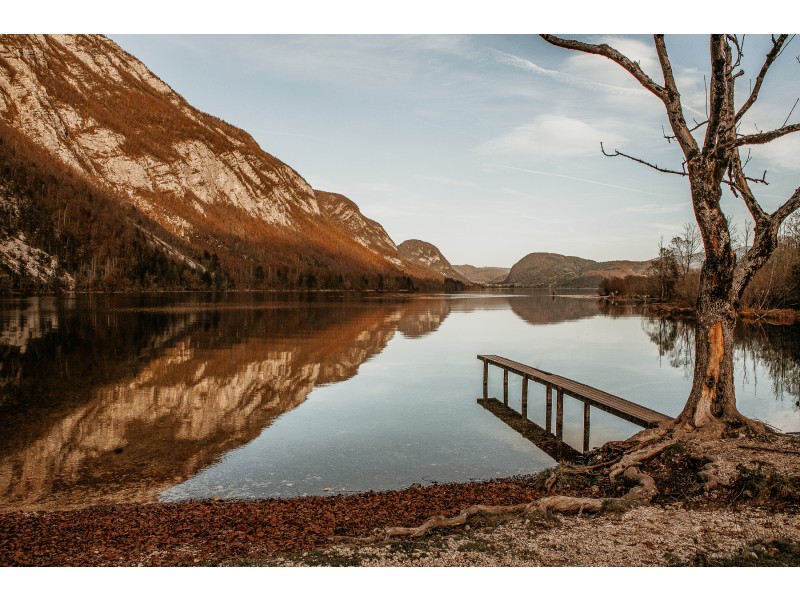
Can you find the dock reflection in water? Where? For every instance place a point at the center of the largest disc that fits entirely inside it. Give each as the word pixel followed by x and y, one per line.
pixel 542 438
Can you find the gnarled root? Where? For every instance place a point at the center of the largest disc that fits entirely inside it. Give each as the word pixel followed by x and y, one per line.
pixel 642 493
pixel 559 504
pixel 637 457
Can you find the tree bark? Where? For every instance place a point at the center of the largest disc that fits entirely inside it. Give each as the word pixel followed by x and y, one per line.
pixel 712 400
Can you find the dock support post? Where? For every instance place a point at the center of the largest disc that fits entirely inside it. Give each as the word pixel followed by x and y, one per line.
pixel 505 387
pixel 586 408
pixel 524 397
pixel 559 414
pixel 485 379
pixel 548 415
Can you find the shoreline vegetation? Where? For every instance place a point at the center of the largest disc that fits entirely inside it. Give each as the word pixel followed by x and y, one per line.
pixel 773 316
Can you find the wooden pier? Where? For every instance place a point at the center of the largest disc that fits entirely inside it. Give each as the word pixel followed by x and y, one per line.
pixel 624 409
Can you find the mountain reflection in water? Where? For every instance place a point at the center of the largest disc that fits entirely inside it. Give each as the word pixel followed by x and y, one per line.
pixel 107 399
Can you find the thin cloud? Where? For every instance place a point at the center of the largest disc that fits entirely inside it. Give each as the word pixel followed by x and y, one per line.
pixel 527 65
pixel 611 185
pixel 548 136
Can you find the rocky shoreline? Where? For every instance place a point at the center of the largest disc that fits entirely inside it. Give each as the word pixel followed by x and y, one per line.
pixel 752 519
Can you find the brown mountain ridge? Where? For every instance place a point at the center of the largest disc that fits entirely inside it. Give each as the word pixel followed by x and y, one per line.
pixel 111 180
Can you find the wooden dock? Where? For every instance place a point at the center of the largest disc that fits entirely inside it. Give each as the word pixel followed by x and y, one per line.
pixel 624 409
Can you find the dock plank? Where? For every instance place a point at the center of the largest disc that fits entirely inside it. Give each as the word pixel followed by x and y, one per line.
pixel 625 409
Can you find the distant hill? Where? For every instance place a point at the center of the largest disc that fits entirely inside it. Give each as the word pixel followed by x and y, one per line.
pixel 483 274
pixel 427 255
pixel 545 269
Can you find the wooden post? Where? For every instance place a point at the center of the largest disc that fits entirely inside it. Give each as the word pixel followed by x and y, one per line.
pixel 485 379
pixel 559 414
pixel 586 408
pixel 548 415
pixel 505 387
pixel 524 397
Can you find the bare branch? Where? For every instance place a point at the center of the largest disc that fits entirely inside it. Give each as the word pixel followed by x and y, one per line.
pixel 697 125
pixel 790 112
pixel 765 137
pixel 672 101
pixel 720 63
pixel 644 162
pixel 605 50
pixel 774 52
pixel 764 242
pixel 741 182
pixel 668 94
pixel 739 50
pixel 788 207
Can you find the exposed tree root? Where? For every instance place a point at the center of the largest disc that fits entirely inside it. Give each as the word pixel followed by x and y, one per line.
pixel 768 449
pixel 631 454
pixel 642 493
pixel 637 457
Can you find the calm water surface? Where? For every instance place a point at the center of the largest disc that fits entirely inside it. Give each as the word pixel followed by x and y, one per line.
pixel 174 397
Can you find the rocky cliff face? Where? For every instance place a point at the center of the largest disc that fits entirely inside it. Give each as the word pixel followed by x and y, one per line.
pixel 103 118
pixel 427 255
pixel 344 214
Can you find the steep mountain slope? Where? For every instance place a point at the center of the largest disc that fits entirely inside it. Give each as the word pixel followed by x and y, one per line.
pixel 542 269
pixel 483 274
pixel 104 120
pixel 427 255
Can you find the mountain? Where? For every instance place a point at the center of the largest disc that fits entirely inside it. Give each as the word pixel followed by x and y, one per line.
pixel 112 180
pixel 428 256
pixel 483 274
pixel 544 269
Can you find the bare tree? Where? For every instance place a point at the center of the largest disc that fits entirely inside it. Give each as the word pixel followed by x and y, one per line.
pixel 710 164
pixel 665 268
pixel 686 246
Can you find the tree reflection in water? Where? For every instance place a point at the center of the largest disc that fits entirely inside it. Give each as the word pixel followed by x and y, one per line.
pixel 775 348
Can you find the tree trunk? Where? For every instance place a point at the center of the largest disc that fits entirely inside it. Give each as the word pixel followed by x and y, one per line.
pixel 712 400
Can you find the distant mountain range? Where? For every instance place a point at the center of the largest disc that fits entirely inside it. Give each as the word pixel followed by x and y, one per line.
pixel 483 274
pixel 109 180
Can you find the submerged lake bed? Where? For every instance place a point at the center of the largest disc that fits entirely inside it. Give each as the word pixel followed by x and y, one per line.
pixel 171 397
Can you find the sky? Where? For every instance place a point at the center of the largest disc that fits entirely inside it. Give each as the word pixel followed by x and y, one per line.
pixel 487 145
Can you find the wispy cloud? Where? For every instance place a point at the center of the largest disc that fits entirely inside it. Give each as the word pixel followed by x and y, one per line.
pixel 551 135
pixel 563 77
pixel 611 185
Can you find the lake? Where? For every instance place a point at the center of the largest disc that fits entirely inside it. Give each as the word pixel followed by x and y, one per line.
pixel 171 397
